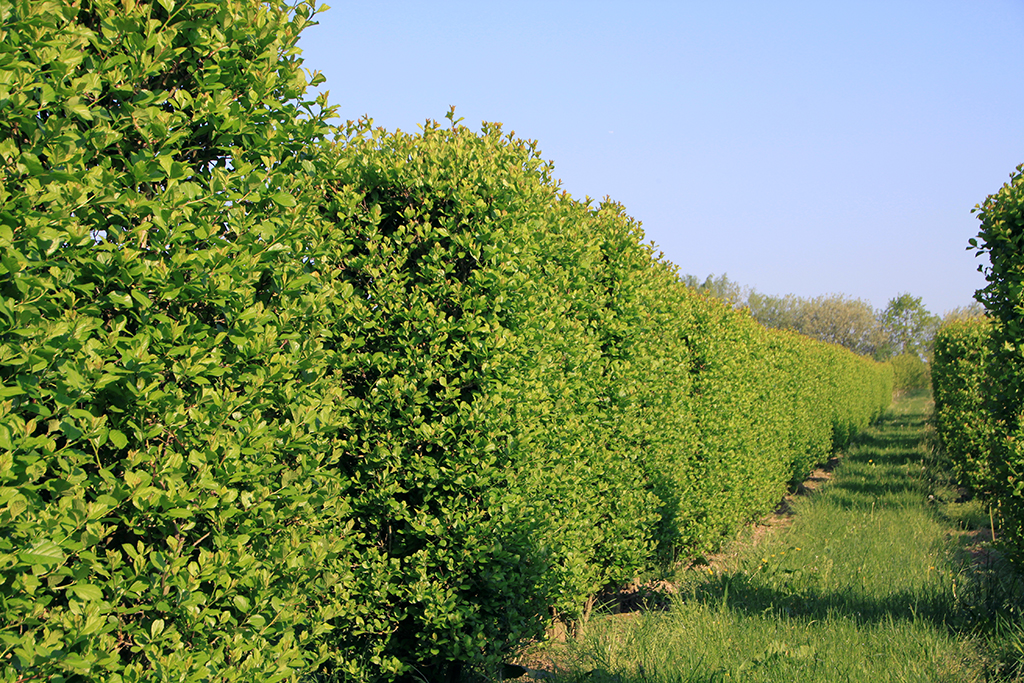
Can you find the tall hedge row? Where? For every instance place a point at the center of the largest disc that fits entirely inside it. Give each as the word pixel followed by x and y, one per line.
pixel 169 492
pixel 960 386
pixel 980 387
pixel 373 407
pixel 978 373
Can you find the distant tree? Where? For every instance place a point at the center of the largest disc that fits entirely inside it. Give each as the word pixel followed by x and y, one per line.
pixel 904 327
pixel 910 372
pixel 908 327
pixel 839 319
pixel 832 318
pixel 779 312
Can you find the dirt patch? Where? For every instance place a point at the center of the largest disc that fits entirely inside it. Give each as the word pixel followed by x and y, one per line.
pixel 975 546
pixel 818 477
pixel 638 596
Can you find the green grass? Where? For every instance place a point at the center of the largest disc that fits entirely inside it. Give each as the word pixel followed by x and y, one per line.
pixel 870 582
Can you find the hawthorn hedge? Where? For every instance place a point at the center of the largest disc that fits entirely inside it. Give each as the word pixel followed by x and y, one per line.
pixel 367 407
pixel 1001 238
pixel 963 422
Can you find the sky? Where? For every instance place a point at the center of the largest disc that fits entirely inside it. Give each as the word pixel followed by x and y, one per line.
pixel 802 148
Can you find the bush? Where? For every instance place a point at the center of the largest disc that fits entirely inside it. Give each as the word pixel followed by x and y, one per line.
pixel 274 405
pixel 168 493
pixel 489 320
pixel 963 422
pixel 1001 237
pixel 911 373
pixel 762 408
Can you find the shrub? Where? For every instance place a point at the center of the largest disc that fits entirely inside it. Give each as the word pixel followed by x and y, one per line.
pixel 487 329
pixel 1001 237
pixel 274 405
pixel 168 493
pixel 959 385
pixel 911 373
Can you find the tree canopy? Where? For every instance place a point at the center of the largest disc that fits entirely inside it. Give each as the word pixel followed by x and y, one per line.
pixel 832 318
pixel 904 326
pixel 908 326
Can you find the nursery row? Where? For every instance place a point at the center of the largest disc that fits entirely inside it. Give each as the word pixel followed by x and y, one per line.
pixel 274 404
pixel 978 373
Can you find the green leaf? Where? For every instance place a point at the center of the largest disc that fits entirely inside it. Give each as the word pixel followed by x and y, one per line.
pixel 69 430
pixel 120 298
pixel 78 108
pixel 45 553
pixel 156 628
pixel 86 591
pixel 283 199
pixel 144 301
pixel 118 438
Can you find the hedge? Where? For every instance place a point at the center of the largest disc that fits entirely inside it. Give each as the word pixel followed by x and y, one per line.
pixel 369 408
pixel 168 484
pixel 960 383
pixel 1001 238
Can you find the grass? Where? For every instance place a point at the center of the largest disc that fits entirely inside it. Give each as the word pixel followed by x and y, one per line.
pixel 879 575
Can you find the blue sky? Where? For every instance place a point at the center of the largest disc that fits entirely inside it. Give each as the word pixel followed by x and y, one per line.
pixel 799 147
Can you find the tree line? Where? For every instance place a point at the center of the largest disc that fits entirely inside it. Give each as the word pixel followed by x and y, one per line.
pixel 904 327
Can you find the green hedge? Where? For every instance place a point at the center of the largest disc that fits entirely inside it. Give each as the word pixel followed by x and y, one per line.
pixel 960 383
pixel 169 491
pixel 387 404
pixel 490 478
pixel 767 406
pixel 912 373
pixel 1001 238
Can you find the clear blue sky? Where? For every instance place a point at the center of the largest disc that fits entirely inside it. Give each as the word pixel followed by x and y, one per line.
pixel 799 147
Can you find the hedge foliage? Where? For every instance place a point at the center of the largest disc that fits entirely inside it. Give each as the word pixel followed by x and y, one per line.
pixel 540 407
pixel 911 372
pixel 384 404
pixel 168 495
pixel 1001 238
pixel 960 384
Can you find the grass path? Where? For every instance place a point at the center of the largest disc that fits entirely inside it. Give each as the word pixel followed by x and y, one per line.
pixel 869 582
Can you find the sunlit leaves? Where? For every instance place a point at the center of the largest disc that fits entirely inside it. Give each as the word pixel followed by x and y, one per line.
pixel 963 420
pixel 273 403
pixel 142 184
pixel 1001 239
